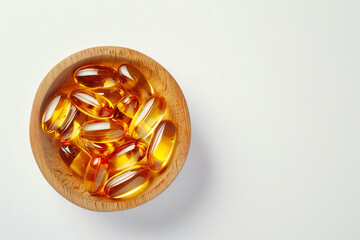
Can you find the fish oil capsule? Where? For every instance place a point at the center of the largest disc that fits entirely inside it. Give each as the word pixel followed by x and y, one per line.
pixel 147 117
pixel 161 145
pixel 70 128
pixel 92 104
pixel 95 148
pixel 114 95
pixel 96 76
pixel 96 174
pixel 55 113
pixel 128 105
pixel 133 80
pixel 74 157
pixel 127 183
pixel 103 130
pixel 125 156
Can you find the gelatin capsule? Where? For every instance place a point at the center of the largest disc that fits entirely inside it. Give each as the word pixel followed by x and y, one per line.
pixel 127 183
pixel 133 80
pixel 70 133
pixel 92 104
pixel 103 130
pixel 128 105
pixel 69 129
pixel 96 174
pixel 125 156
pixel 74 157
pixel 114 95
pixel 55 113
pixel 96 76
pixel 95 148
pixel 147 117
pixel 161 145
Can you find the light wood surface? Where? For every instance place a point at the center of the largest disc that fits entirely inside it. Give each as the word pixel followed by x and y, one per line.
pixel 45 146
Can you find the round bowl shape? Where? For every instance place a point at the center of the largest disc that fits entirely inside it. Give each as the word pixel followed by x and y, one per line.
pixel 45 146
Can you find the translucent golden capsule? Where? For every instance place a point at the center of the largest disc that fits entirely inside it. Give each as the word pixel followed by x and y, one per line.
pixel 95 148
pixel 96 174
pixel 147 117
pixel 128 105
pixel 103 130
pixel 125 156
pixel 114 95
pixel 74 157
pixel 70 128
pixel 135 82
pixel 127 183
pixel 55 113
pixel 161 145
pixel 92 104
pixel 96 76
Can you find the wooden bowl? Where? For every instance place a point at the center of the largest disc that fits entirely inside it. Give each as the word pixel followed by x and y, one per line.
pixel 45 146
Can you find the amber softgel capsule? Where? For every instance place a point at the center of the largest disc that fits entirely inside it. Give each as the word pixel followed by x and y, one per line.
pixel 70 129
pixel 97 76
pixel 92 103
pixel 133 80
pixel 55 113
pixel 114 95
pixel 127 183
pixel 128 105
pixel 74 157
pixel 147 117
pixel 103 130
pixel 96 174
pixel 126 155
pixel 95 148
pixel 162 145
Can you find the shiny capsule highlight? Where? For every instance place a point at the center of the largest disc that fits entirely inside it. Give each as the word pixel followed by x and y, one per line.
pixel 127 183
pixel 103 130
pixel 95 148
pixel 147 117
pixel 128 105
pixel 92 104
pixel 74 157
pixel 161 145
pixel 114 95
pixel 126 155
pixel 96 76
pixel 56 113
pixel 133 80
pixel 70 128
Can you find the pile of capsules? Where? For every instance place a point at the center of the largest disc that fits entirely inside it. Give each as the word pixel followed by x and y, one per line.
pixel 111 130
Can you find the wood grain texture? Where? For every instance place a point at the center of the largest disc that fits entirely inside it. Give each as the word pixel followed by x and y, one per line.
pixel 45 146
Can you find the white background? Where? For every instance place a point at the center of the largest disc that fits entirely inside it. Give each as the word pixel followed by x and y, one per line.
pixel 273 92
